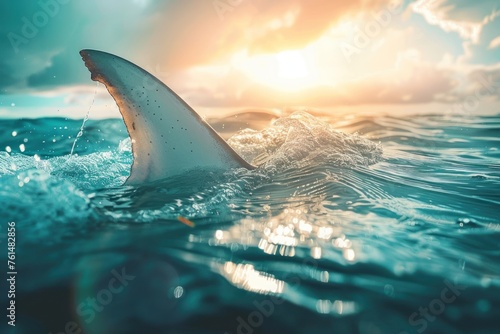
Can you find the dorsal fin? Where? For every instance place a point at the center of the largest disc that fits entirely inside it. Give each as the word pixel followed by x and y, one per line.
pixel 168 136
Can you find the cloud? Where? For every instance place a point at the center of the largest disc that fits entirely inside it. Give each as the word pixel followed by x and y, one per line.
pixel 484 51
pixel 48 54
pixel 420 83
pixel 57 74
pixel 485 79
pixel 407 77
pixel 443 13
pixel 6 78
pixel 495 43
pixel 178 33
pixel 411 60
pixel 197 33
pixel 294 24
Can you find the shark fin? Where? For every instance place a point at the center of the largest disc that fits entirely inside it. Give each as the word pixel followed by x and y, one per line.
pixel 168 136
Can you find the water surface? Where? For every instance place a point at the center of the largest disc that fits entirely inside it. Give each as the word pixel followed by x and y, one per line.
pixel 351 224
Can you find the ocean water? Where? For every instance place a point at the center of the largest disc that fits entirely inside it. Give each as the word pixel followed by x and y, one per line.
pixel 350 224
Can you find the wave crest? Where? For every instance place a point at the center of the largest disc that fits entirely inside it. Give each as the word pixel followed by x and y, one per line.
pixel 301 139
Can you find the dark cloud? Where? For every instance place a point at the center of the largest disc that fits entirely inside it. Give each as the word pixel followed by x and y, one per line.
pixel 6 79
pixel 40 40
pixel 64 69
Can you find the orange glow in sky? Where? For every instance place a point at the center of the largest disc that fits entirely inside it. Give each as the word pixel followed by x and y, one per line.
pixel 287 70
pixel 265 54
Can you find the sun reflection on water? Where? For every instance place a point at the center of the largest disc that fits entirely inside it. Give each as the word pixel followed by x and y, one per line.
pixel 246 277
pixel 290 233
pixel 287 232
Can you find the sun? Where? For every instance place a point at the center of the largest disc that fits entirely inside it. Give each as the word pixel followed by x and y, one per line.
pixel 287 70
pixel 291 65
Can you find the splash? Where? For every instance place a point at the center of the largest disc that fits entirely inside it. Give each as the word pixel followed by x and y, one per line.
pixel 85 119
pixel 300 140
pixel 291 144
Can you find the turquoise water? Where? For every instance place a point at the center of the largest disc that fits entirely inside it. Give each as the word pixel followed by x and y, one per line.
pixel 366 224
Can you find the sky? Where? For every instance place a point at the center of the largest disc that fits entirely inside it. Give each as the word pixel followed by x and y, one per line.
pixel 224 56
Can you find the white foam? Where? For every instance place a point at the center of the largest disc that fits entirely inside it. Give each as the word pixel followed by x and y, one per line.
pixel 301 139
